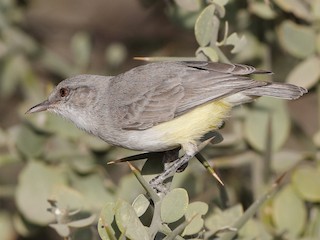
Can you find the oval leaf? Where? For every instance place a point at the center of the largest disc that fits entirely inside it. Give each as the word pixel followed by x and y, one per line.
pixel 306 181
pixel 140 205
pixel 298 40
pixel 237 42
pixel 221 219
pixel 289 213
pixel 209 52
pixel 105 220
pixel 203 28
pixel 297 7
pixel 194 214
pixel 128 222
pixel 306 74
pixel 174 205
pixel 36 182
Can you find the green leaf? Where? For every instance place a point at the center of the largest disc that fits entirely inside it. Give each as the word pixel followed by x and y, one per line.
pixel 93 189
pixel 237 42
pixel 306 74
pixel 306 180
pixel 30 143
pixel 105 220
pixel 286 159
pixel 129 187
pixel 289 212
pixel 204 26
pixel 194 214
pixel 128 222
pixel 254 229
pixel 298 40
pixel 67 198
pixel 315 8
pixel 220 219
pixel 262 10
pixel 62 229
pixel 84 222
pixel 209 52
pixel 256 123
pixel 189 5
pixel 174 205
pixel 13 71
pixel 297 7
pixel 7 232
pixel 116 54
pixel 221 2
pixel 140 205
pixel 36 184
pixel 81 48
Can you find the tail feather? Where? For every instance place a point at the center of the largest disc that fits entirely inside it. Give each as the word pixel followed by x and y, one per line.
pixel 277 90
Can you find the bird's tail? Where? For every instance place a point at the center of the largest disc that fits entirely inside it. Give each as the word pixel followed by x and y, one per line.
pixel 277 90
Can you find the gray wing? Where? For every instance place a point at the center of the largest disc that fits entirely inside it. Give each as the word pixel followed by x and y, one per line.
pixel 148 95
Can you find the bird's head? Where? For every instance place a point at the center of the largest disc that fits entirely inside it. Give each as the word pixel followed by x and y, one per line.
pixel 74 99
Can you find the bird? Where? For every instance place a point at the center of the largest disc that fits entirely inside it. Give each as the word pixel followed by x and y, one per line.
pixel 160 106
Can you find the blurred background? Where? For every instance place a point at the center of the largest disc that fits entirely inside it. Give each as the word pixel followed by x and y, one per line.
pixel 45 157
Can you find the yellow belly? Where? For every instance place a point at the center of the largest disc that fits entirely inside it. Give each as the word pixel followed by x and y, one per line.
pixel 194 124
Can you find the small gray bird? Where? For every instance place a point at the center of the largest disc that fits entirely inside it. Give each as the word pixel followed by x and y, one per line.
pixel 160 106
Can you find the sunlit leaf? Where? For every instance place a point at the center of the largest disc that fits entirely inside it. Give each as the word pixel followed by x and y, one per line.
pixel 298 40
pixel 306 74
pixel 128 222
pixel 105 220
pixel 289 212
pixel 209 52
pixel 237 42
pixel 174 205
pixel 254 229
pixel 140 205
pixel 204 26
pixel 306 180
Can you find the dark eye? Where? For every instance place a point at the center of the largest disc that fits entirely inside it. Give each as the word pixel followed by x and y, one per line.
pixel 64 92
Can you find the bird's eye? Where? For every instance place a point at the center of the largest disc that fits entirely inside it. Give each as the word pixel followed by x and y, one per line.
pixel 64 92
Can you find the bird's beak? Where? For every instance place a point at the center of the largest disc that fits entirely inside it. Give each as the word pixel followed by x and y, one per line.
pixel 39 107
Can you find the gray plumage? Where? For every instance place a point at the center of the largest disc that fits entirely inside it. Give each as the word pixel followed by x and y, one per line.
pixel 165 90
pixel 118 109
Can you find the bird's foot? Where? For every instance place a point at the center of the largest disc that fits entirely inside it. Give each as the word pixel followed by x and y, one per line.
pixel 158 183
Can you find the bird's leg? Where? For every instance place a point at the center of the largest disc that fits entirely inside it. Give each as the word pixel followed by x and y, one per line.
pixel 170 170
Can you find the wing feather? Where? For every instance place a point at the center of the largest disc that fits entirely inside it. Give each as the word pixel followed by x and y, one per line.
pixel 161 91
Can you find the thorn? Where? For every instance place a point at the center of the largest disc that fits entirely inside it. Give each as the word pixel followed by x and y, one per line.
pixel 142 58
pixel 216 176
pixel 279 180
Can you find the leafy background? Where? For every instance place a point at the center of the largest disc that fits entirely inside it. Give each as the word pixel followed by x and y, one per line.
pixel 44 157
